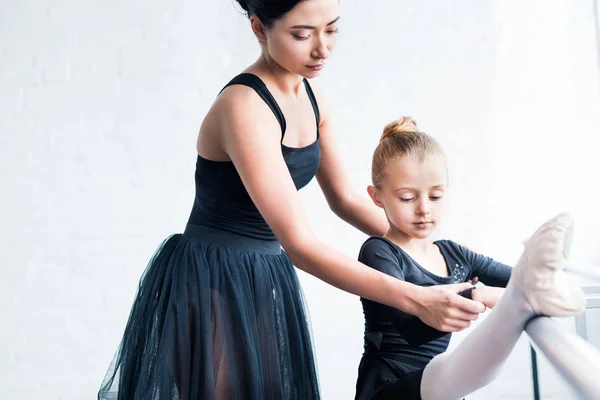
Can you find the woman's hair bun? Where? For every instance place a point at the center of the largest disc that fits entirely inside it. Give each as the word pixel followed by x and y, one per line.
pixel 243 4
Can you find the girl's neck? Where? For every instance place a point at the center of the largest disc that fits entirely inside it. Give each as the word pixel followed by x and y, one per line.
pixel 409 244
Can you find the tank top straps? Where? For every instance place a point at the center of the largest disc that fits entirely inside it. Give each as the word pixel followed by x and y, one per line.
pixel 261 89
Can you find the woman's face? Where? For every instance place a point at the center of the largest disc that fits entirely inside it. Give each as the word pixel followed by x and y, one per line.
pixel 302 39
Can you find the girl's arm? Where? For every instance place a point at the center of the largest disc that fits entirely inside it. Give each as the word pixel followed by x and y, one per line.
pixel 493 274
pixel 486 269
pixel 488 295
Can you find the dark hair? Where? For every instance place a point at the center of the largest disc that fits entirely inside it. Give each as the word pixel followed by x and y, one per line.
pixel 268 11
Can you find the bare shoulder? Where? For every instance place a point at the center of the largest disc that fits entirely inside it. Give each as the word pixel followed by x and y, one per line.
pixel 238 110
pixel 241 110
pixel 240 101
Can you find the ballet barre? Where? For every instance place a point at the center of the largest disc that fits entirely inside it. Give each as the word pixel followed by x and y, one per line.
pixel 574 358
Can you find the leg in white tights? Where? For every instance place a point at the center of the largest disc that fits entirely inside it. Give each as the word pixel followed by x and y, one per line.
pixel 538 286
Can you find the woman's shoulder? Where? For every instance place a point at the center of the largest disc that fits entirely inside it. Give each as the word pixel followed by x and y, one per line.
pixel 241 104
pixel 238 97
pixel 238 114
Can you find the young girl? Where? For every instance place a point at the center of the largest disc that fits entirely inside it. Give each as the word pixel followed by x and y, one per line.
pixel 404 357
pixel 219 312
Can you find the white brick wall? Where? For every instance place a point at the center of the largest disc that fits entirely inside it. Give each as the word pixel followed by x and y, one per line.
pixel 100 102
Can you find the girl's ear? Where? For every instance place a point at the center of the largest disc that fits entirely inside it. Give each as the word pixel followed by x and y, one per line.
pixel 374 196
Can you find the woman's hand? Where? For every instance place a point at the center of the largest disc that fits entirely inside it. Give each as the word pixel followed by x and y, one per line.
pixel 443 309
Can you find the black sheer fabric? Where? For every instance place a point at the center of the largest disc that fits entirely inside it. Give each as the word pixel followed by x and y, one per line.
pixel 215 322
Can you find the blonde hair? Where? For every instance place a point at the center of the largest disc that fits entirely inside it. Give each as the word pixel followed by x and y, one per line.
pixel 401 138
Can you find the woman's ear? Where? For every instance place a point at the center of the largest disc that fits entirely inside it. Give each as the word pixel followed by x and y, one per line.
pixel 374 196
pixel 258 28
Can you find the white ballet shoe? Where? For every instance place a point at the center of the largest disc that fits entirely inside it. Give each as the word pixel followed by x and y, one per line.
pixel 540 274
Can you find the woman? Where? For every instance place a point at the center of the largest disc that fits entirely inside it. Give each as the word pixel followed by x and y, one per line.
pixel 219 312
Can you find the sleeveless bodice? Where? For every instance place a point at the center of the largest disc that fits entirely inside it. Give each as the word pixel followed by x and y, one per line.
pixel 222 201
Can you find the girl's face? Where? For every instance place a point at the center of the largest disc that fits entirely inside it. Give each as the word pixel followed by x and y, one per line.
pixel 302 40
pixel 413 195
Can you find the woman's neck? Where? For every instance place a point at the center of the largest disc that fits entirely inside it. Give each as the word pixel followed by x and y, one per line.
pixel 277 77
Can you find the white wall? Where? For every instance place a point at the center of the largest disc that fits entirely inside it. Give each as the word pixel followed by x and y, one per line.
pixel 100 102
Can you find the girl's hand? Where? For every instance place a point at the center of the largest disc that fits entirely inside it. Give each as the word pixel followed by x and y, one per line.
pixel 443 309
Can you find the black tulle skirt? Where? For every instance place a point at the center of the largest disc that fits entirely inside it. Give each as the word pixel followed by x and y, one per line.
pixel 216 316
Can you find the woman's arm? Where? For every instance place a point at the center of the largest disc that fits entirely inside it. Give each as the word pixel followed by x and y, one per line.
pixel 251 138
pixel 345 201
